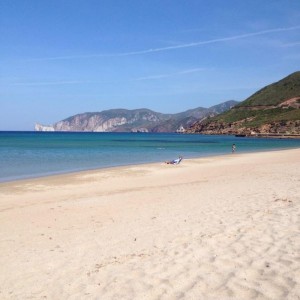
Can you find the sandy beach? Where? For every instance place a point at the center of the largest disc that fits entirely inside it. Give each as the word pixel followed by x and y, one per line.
pixel 224 227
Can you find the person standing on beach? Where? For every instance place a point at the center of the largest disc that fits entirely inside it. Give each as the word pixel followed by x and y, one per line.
pixel 233 148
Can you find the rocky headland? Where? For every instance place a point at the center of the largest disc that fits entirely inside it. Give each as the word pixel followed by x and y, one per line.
pixel 138 120
pixel 273 111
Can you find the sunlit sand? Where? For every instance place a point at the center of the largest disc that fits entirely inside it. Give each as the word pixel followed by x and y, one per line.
pixel 212 228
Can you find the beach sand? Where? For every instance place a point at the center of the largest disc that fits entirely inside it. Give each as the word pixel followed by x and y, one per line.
pixel 224 227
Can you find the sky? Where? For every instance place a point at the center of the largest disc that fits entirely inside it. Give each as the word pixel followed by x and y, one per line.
pixel 59 58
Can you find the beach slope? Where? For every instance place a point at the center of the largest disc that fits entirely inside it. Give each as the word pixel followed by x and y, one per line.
pixel 224 227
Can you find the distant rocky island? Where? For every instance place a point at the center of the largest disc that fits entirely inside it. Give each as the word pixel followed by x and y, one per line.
pixel 273 111
pixel 138 120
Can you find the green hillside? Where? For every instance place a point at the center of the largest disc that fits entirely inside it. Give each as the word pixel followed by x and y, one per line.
pixel 254 118
pixel 275 93
pixel 273 109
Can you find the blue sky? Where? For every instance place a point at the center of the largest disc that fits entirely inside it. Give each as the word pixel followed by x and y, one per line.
pixel 63 57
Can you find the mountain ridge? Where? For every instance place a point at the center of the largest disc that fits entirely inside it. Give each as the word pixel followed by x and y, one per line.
pixel 136 120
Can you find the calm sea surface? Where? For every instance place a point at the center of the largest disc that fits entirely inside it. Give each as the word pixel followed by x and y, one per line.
pixel 34 154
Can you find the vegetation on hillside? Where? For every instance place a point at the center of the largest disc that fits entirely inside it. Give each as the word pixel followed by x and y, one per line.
pixel 275 105
pixel 256 118
pixel 275 93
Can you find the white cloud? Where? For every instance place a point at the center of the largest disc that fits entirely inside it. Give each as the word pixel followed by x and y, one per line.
pixel 51 83
pixel 189 71
pixel 180 46
pixel 150 77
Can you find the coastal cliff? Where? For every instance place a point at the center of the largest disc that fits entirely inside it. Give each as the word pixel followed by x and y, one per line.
pixel 39 127
pixel 115 120
pixel 138 120
pixel 272 111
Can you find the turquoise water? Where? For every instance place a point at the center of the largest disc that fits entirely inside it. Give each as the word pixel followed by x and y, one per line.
pixel 34 154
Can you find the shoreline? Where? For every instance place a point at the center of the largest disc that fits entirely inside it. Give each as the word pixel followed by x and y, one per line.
pixel 66 173
pixel 221 227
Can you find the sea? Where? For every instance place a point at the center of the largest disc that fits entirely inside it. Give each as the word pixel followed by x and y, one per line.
pixel 35 154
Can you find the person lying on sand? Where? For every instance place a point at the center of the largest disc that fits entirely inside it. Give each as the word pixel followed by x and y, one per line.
pixel 174 161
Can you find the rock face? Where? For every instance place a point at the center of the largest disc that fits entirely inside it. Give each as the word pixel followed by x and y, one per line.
pixel 39 127
pixel 116 120
pixel 237 128
pixel 89 123
pixel 139 120
pixel 273 110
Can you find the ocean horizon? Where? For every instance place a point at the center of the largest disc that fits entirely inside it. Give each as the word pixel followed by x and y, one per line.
pixel 30 154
